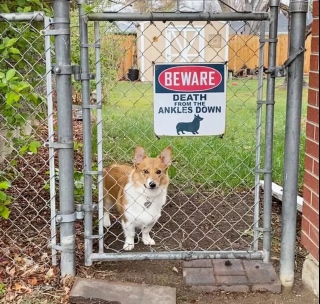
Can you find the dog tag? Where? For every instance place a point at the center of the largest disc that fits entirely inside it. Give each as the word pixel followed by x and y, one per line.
pixel 147 204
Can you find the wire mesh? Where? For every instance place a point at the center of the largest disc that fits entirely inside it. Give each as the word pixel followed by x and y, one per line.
pixel 25 217
pixel 211 198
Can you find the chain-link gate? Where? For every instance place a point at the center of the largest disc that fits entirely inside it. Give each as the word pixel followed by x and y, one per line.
pixel 213 207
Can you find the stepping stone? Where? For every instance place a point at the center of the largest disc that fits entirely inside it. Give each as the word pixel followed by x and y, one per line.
pixel 231 276
pixel 103 292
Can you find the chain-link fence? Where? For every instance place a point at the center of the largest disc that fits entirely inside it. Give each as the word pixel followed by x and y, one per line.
pixel 25 211
pixel 213 206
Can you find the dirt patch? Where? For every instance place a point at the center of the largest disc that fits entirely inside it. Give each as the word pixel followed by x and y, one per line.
pixel 196 222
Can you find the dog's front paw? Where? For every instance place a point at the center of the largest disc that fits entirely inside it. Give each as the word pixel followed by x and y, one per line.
pixel 149 242
pixel 128 247
pixel 106 220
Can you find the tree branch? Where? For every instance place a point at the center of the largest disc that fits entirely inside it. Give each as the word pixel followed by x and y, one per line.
pixel 285 10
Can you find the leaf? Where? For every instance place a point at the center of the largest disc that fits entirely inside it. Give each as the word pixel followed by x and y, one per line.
pixel 23 150
pixel 10 74
pixel 23 86
pixel 5 8
pixel 87 8
pixel 36 2
pixel 14 51
pixel 11 97
pixel 13 163
pixel 78 184
pixel 10 271
pixel 3 196
pixel 5 53
pixel 5 212
pixel 50 273
pixel 33 150
pixel 11 42
pixel 21 2
pixel 35 144
pixel 4 186
pixel 27 9
pixel 17 287
pixel 33 281
pixel 2 75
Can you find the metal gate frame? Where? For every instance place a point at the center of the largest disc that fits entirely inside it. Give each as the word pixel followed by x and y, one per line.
pixel 264 255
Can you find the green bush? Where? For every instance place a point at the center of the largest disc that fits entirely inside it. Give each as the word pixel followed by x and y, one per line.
pixel 112 51
pixel 22 65
pixel 22 68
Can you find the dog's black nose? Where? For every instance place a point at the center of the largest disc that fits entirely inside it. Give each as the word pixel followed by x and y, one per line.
pixel 152 185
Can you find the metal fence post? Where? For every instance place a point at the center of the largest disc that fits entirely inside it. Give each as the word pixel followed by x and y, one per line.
pixel 273 40
pixel 258 138
pixel 298 9
pixel 47 23
pixel 65 135
pixel 87 150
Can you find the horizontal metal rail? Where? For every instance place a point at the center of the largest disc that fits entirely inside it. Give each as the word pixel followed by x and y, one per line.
pixel 109 16
pixel 22 17
pixel 153 256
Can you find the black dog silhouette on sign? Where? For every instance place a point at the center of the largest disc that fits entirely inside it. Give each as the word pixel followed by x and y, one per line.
pixel 192 127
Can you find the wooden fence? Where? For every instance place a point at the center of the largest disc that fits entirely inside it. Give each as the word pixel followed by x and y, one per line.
pixel 243 50
pixel 129 50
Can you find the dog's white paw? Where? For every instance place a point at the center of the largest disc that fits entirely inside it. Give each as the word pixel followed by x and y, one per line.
pixel 149 242
pixel 106 220
pixel 128 247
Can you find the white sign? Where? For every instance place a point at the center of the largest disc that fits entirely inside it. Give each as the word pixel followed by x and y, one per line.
pixel 190 99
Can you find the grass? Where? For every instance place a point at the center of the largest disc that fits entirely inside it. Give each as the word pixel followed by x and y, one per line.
pixel 227 163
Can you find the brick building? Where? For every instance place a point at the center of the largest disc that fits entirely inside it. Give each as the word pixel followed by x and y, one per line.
pixel 310 224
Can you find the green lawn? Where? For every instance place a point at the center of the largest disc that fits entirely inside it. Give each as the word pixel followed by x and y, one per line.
pixel 204 161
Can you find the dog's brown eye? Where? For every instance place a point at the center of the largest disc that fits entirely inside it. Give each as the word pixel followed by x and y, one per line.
pixel 159 172
pixel 145 172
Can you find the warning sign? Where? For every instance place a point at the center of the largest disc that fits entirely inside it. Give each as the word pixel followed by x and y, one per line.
pixel 190 99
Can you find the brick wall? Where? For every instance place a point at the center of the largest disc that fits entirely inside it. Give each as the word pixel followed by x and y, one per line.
pixel 310 223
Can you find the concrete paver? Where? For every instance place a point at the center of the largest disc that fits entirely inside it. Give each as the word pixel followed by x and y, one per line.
pixel 231 276
pixel 103 292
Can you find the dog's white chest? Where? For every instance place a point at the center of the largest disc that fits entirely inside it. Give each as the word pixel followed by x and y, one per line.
pixel 143 209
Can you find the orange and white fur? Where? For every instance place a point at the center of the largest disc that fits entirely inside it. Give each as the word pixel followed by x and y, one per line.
pixel 138 194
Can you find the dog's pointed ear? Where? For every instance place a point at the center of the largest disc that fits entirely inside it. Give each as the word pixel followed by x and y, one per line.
pixel 139 155
pixel 166 156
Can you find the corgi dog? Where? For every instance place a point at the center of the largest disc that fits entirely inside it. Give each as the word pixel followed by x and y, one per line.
pixel 138 193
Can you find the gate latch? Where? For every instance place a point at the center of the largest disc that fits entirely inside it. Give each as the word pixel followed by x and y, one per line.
pixel 73 69
pixel 77 215
pixel 282 71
